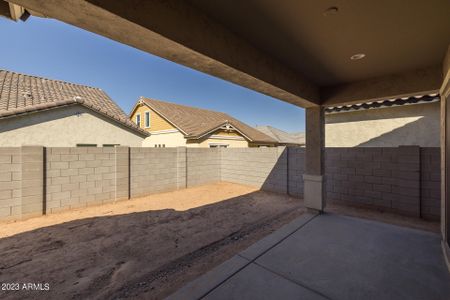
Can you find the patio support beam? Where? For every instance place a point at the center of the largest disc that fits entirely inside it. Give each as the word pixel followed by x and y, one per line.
pixel 445 157
pixel 182 33
pixel 314 181
pixel 422 81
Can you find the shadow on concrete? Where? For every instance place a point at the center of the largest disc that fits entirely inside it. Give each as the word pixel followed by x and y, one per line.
pixel 334 257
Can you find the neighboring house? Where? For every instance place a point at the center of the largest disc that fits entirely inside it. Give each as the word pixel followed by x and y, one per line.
pixel 53 113
pixel 387 123
pixel 283 138
pixel 172 125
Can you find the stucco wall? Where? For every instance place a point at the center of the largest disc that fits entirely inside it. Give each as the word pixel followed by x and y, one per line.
pixel 176 139
pixel 385 127
pixel 171 139
pixel 65 127
pixel 232 143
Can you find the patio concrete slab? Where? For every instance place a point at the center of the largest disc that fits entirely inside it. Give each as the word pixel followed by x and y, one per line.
pixel 350 258
pixel 198 288
pixel 255 282
pixel 335 257
pixel 263 245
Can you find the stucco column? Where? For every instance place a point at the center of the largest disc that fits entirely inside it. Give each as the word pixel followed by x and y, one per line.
pixel 314 180
pixel 445 158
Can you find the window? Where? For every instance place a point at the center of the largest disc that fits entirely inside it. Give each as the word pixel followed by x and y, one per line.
pixel 218 145
pixel 138 120
pixel 110 145
pixel 147 119
pixel 86 145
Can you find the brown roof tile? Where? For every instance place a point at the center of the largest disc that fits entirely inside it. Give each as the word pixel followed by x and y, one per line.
pixel 196 122
pixel 21 93
pixel 282 136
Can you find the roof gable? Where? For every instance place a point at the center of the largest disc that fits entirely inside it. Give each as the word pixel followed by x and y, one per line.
pixel 196 123
pixel 21 94
pixel 282 136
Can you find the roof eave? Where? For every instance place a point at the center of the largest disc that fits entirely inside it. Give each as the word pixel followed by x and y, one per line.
pixel 143 100
pixel 47 106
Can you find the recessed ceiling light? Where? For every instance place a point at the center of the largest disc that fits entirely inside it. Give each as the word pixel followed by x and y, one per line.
pixel 330 11
pixel 357 56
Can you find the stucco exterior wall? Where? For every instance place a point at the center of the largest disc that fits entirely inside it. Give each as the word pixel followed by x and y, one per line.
pixel 65 127
pixel 385 127
pixel 176 139
pixel 170 139
pixel 232 143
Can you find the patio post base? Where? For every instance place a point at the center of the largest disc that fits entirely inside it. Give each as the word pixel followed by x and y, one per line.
pixel 314 194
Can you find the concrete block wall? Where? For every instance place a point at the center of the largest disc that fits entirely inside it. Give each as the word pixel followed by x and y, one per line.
pixel 296 169
pixel 122 173
pixel 79 177
pixel 403 179
pixel 33 181
pixel 264 168
pixel 153 170
pixel 430 183
pixel 203 165
pixel 10 183
pixel 36 180
pixel 356 175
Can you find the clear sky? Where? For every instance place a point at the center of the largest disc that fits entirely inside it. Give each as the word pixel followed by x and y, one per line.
pixel 53 49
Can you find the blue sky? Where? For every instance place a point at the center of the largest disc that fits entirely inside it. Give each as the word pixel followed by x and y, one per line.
pixel 52 49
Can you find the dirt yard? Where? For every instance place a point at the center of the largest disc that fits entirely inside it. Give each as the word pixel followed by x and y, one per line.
pixel 141 248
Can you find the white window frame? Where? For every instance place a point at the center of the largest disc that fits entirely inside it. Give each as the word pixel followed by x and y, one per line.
pixel 138 123
pixel 147 119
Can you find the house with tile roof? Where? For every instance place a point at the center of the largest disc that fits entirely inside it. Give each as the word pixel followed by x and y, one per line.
pixel 385 123
pixel 172 125
pixel 283 138
pixel 53 113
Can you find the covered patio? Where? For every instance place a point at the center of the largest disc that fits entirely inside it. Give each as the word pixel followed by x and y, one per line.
pixel 331 256
pixel 312 55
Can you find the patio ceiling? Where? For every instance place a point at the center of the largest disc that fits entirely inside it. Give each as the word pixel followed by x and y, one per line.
pixel 297 51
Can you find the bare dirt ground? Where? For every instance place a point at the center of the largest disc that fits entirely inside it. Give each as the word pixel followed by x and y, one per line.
pixel 142 248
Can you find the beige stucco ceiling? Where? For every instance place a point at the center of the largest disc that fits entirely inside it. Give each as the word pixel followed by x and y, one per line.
pixel 289 49
pixel 396 35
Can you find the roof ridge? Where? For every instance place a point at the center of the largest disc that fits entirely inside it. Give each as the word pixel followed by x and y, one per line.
pixel 29 93
pixel 183 105
pixel 274 132
pixel 54 80
pixel 180 116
